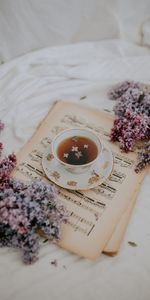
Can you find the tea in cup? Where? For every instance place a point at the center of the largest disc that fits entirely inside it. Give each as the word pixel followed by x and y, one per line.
pixel 77 149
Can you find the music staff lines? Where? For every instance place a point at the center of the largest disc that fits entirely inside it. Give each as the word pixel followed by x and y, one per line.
pixel 105 190
pixel 79 202
pixel 75 121
pixel 80 224
pixel 30 171
pixel 77 227
pixel 88 199
pixel 91 230
pixel 45 141
pixel 36 155
pixel 56 129
pixel 123 161
pixel 81 219
pixel 117 176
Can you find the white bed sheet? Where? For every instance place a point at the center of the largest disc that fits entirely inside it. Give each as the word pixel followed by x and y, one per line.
pixel 28 87
pixel 27 25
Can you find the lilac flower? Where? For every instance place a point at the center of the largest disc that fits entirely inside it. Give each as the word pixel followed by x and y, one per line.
pixel 78 154
pixel 1 145
pixel 86 146
pixel 1 125
pixel 6 166
pixel 129 129
pixel 25 209
pixel 133 123
pixel 66 155
pixel 74 148
pixel 1 148
pixel 134 100
pixel 116 92
pixel 143 158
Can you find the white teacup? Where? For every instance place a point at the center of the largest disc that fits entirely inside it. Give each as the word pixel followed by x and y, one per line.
pixel 76 132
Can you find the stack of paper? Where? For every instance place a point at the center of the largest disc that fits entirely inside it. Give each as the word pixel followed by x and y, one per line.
pixel 98 217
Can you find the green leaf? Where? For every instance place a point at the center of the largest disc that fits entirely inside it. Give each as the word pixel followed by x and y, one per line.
pixel 132 244
pixel 45 241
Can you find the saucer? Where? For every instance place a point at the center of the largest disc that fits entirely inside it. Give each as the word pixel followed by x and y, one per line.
pixel 88 180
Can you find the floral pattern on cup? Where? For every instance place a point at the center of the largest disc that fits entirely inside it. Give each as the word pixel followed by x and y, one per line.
pixel 50 156
pixel 71 183
pixel 93 179
pixel 56 175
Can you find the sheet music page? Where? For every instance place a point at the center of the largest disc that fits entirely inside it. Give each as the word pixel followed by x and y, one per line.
pixel 94 213
pixel 113 245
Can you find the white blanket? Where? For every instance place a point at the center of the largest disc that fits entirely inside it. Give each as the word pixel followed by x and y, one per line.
pixel 26 25
pixel 28 86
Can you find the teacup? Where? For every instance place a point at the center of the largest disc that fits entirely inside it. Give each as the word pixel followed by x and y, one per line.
pixel 82 149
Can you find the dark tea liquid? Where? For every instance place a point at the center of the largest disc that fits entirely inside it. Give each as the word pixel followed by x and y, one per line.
pixel 77 150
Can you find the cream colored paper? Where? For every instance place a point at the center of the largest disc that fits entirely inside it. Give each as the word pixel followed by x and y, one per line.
pixel 94 213
pixel 113 245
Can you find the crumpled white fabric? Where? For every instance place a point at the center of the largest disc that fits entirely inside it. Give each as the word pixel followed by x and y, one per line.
pixel 28 87
pixel 28 25
pixel 146 33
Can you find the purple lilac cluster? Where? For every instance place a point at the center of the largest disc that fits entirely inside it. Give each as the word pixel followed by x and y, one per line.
pixel 1 125
pixel 130 128
pixel 131 96
pixel 116 92
pixel 7 164
pixel 25 209
pixel 133 121
pixel 143 157
pixel 1 145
